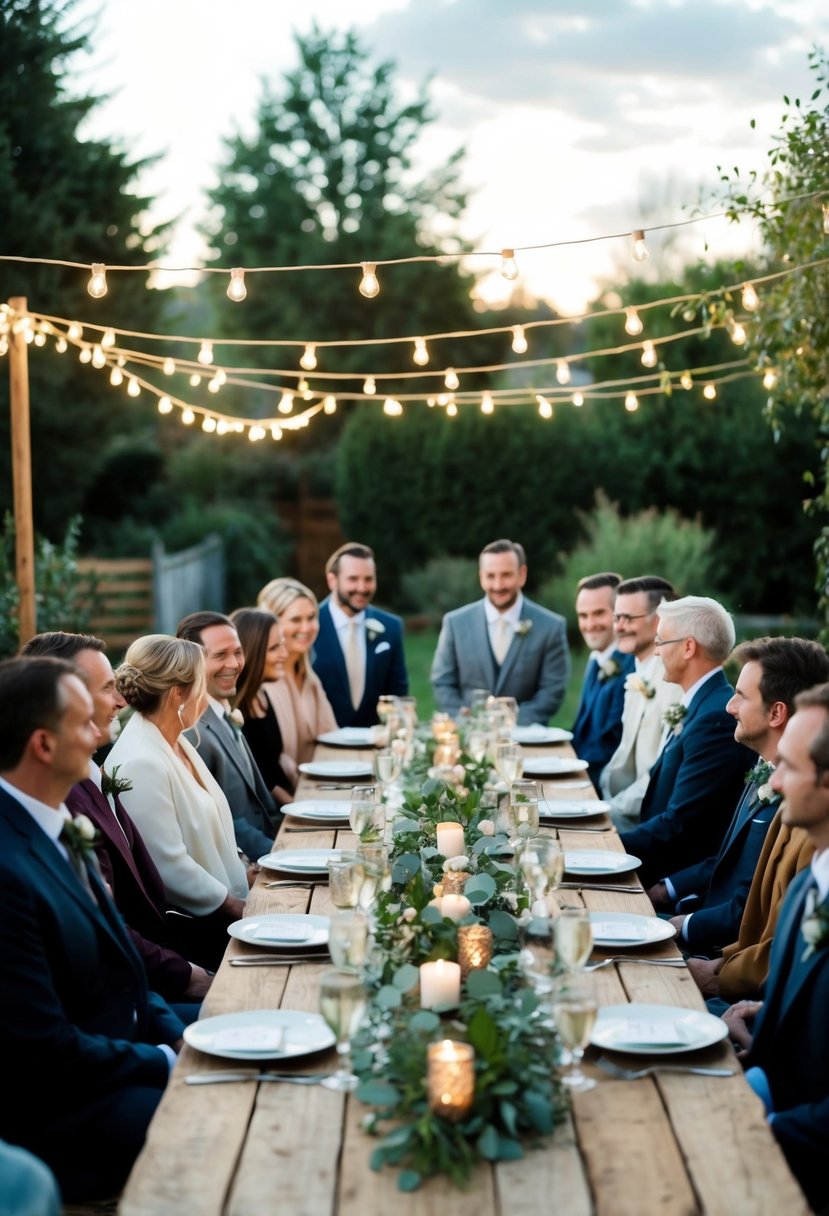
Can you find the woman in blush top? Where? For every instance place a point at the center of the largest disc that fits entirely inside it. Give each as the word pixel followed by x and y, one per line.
pixel 265 657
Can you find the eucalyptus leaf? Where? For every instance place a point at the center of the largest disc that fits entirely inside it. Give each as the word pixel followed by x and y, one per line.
pixel 378 1093
pixel 482 1033
pixel 424 1020
pixel 480 888
pixel 483 983
pixel 408 1180
pixel 509 1116
pixel 509 1150
pixel 431 916
pixel 503 926
pixel 388 997
pixel 405 977
pixel 538 1110
pixel 489 1143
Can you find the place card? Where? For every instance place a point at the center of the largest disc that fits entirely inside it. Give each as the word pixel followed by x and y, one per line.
pixel 653 1034
pixel 286 931
pixel 248 1038
pixel 618 931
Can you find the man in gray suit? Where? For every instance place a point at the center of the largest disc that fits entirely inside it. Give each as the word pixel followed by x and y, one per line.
pixel 220 742
pixel 504 643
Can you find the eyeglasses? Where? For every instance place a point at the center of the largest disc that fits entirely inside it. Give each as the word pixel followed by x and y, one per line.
pixel 658 641
pixel 625 618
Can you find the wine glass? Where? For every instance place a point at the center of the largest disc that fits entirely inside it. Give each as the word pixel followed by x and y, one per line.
pixel 389 713
pixel 541 863
pixel 507 707
pixel 367 816
pixel 574 1008
pixel 343 1001
pixel 387 766
pixel 537 957
pixel 523 808
pixel 509 762
pixel 574 937
pixel 345 879
pixel 348 935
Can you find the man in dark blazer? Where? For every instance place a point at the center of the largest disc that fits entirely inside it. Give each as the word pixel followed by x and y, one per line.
pixel 125 862
pixel 700 771
pixel 597 730
pixel 358 654
pixel 220 742
pixel 788 1055
pixel 504 643
pixel 710 897
pixel 86 1047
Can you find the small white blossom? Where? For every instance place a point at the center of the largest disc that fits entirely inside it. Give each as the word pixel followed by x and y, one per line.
pixel 460 863
pixel 409 914
pixel 510 898
pixel 486 827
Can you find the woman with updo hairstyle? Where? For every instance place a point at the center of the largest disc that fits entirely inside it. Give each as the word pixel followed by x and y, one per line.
pixel 302 708
pixel 177 805
pixel 265 656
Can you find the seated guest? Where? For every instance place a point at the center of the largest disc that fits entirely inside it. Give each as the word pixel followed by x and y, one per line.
pixel 647 695
pixel 87 1049
pixel 503 642
pixel 303 711
pixel 710 896
pixel 126 865
pixel 265 657
pixel 701 768
pixel 219 739
pixel 787 1055
pixel 598 726
pixel 179 808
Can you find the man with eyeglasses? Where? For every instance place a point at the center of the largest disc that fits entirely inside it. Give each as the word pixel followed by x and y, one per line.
pixel 700 771
pixel 647 695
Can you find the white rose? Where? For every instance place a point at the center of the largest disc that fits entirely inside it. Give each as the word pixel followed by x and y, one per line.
pixel 409 914
pixel 510 898
pixel 461 862
pixel 486 827
pixel 85 826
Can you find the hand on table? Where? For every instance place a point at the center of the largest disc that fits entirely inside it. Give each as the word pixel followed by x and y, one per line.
pixel 200 981
pixel 706 973
pixel 659 897
pixel 737 1019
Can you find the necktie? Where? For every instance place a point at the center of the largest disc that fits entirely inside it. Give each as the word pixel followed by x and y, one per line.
pixel 502 639
pixel 354 664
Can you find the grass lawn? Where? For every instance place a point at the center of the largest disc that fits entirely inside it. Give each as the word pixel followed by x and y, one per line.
pixel 420 649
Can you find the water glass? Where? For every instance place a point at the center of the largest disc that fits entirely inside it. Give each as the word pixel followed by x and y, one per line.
pixel 348 938
pixel 523 808
pixel 509 762
pixel 345 879
pixel 367 816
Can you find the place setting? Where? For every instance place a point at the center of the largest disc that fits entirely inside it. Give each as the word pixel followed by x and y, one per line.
pixel 298 937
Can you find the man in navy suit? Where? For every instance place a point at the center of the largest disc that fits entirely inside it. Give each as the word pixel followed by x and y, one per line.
pixel 697 777
pixel 788 1056
pixel 358 655
pixel 504 643
pixel 86 1048
pixel 598 726
pixel 710 896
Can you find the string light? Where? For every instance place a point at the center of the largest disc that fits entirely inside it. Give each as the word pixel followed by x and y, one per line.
pixel 205 355
pixel 236 290
pixel 168 366
pixel 61 345
pixel 305 388
pixel 631 402
pixel 421 354
pixel 99 359
pixel 545 407
pixel 392 408
pixel 214 384
pixel 578 400
pixel 633 322
pixel 509 266
pixel 519 340
pixel 648 355
pixel 75 332
pixel 369 387
pixel 737 333
pixel 709 392
pixel 750 298
pixel 188 417
pixel 769 378
pixel 309 357
pixel 640 249
pixel 133 388
pixel 329 405
pixel 487 404
pixel 195 380
pixel 451 410
pixel 97 285
pixel 286 402
pixel 209 425
pixel 451 379
pixel 369 284
pixel 563 375
pixel 108 339
pixel 686 380
pixel 40 340
pixel 85 355
pixel 276 432
pixel 165 405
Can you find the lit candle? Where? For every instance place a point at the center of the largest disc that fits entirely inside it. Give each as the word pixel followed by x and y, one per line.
pixel 450 839
pixel 474 948
pixel 440 984
pixel 456 907
pixel 451 1078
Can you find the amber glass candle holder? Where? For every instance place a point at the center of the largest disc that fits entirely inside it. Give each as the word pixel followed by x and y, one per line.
pixel 474 948
pixel 451 1079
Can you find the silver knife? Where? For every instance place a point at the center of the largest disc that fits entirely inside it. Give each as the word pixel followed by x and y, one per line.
pixel 279 960
pixel 217 1078
pixel 595 886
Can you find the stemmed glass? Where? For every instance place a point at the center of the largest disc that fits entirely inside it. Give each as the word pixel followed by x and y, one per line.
pixel 387 766
pixel 367 816
pixel 574 1008
pixel 509 762
pixel 507 707
pixel 343 1001
pixel 537 955
pixel 541 863
pixel 574 937
pixel 523 808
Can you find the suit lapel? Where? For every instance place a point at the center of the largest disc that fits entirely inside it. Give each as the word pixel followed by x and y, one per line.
pixel 233 750
pixel 794 947
pixel 745 811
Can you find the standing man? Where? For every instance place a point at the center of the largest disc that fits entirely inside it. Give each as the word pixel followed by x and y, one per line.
pixel 219 739
pixel 598 726
pixel 647 696
pixel 701 769
pixel 504 642
pixel 358 655
pixel 86 1048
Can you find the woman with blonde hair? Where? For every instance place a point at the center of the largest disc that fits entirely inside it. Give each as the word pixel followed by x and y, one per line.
pixel 302 708
pixel 265 656
pixel 179 808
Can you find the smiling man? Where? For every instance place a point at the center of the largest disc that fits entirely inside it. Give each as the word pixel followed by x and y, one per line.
pixel 504 643
pixel 597 730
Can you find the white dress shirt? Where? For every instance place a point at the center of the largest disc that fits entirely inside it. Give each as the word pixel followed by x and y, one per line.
pixel 510 617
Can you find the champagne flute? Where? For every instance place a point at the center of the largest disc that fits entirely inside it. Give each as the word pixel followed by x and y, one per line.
pixel 343 1001
pixel 523 808
pixel 348 936
pixel 574 937
pixel 345 879
pixel 387 766
pixel 509 762
pixel 537 957
pixel 541 863
pixel 575 1007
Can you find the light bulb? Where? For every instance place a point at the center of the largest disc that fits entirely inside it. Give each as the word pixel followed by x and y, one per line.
pixel 209 425
pixel 421 354
pixel 329 405
pixel 631 403
pixel 487 404
pixel 168 366
pixel 750 298
pixel 451 379
pixel 236 290
pixel 205 355
pixel 239 428
pixel 214 384
pixel 509 266
pixel 40 340
pixel 443 398
pixel 686 380
pixel 305 389
pixel 392 408
pixel 195 380
pixel 188 417
pixel 133 388
pixel 430 401
pixel 519 340
pixel 563 371
pixel 738 334
pixel 451 410
pixel 369 387
pixel 545 407
pixel 97 285
pixel 640 249
pixel 85 355
pixel 165 405
pixel 769 378
pixel 709 392
pixel 29 335
pixel 99 359
pixel 826 219
pixel 309 357
pixel 648 355
pixel 108 339
pixel 61 345
pixel 689 314
pixel 286 402
pixel 4 345
pixel 75 332
pixel 276 432
pixel 578 400
pixel 633 322
pixel 369 285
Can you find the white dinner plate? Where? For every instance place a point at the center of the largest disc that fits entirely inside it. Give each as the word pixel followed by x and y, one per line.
pixel 575 808
pixel 287 930
pixel 553 766
pixel 621 930
pixel 343 770
pixel 655 1029
pixel 312 808
pixel 299 861
pixel 280 1034
pixel 599 861
pixel 536 735
pixel 348 736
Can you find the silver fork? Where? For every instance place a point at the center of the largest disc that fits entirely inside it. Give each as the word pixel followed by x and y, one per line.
pixel 645 962
pixel 219 1078
pixel 285 882
pixel 634 1074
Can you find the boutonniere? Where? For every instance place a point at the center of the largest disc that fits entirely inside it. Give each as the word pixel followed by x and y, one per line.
pixel 374 628
pixel 235 719
pixel 637 683
pixel 673 716
pixel 608 669
pixel 760 776
pixel 78 836
pixel 815 926
pixel 111 783
pixel 522 628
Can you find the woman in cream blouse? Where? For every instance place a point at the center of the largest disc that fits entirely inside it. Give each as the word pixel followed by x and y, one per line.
pixel 180 810
pixel 302 708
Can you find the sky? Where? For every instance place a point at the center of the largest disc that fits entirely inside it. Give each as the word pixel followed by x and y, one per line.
pixel 580 118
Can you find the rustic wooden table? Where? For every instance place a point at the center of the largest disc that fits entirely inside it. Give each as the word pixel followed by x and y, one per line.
pixel 674 1145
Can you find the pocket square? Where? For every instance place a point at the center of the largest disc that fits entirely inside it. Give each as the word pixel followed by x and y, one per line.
pixel 383 646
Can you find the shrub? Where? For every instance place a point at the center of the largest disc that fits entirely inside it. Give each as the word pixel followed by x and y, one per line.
pixel 442 584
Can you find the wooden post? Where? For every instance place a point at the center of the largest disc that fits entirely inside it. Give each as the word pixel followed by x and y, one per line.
pixel 22 473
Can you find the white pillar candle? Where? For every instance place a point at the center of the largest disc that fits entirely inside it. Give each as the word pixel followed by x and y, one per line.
pixel 455 907
pixel 440 983
pixel 450 839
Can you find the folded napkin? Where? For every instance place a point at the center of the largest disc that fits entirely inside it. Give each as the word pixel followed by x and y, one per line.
pixel 652 1034
pixel 248 1038
pixel 286 931
pixel 618 931
pixel 601 863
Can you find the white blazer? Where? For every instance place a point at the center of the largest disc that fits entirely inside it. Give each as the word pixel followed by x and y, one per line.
pixel 186 824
